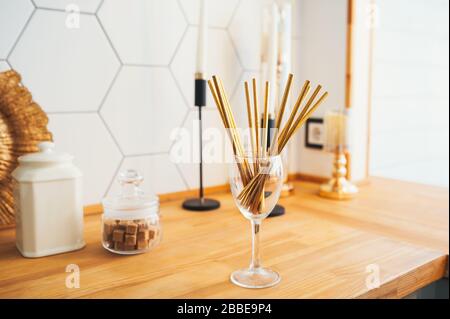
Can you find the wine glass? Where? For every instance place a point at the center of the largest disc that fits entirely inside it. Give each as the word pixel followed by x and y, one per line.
pixel 256 186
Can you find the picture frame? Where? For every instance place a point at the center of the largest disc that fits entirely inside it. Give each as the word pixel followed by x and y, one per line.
pixel 315 133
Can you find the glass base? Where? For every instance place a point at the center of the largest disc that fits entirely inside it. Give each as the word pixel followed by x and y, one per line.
pixel 255 278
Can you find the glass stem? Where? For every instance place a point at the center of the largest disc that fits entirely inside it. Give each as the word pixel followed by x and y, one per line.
pixel 256 228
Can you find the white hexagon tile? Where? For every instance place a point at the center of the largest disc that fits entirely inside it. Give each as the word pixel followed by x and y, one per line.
pixel 185 151
pixel 67 69
pixel 89 6
pixel 13 17
pixel 219 11
pixel 86 138
pixel 143 31
pixel 160 175
pixel 118 86
pixel 4 66
pixel 142 108
pixel 238 101
pixel 245 30
pixel 222 61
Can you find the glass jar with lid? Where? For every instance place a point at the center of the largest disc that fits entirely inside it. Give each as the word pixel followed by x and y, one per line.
pixel 130 221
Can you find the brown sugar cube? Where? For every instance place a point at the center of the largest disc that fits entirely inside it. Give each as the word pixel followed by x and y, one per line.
pixel 118 235
pixel 130 240
pixel 119 246
pixel 142 235
pixel 132 229
pixel 108 227
pixel 151 233
pixel 142 244
pixel 129 247
pixel 107 237
pixel 142 226
pixel 123 224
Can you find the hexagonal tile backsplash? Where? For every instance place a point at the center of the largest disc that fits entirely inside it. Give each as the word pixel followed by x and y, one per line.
pixel 66 69
pixel 143 31
pixel 219 11
pixel 118 83
pixel 89 6
pixel 245 29
pixel 222 60
pixel 142 108
pixel 215 172
pixel 13 17
pixel 87 139
pixel 4 66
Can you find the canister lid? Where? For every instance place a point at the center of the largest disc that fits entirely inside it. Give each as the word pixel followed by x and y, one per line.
pixel 131 202
pixel 46 154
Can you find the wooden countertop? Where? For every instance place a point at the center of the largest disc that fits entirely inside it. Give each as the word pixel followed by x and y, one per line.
pixel 322 249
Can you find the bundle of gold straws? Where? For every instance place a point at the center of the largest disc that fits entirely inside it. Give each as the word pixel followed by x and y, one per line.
pixel 253 177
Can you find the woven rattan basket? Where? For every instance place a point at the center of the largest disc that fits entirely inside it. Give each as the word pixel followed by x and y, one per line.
pixel 22 125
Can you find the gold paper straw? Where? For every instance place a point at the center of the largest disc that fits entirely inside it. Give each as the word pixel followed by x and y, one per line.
pixel 287 89
pixel 216 100
pixel 302 95
pixel 237 147
pixel 250 125
pixel 256 115
pixel 252 196
pixel 247 171
pixel 285 135
pixel 266 119
pixel 222 113
pixel 300 121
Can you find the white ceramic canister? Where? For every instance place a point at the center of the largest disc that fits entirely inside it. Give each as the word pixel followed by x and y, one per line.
pixel 48 203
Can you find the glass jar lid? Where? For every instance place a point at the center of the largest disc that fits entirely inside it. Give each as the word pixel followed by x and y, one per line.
pixel 131 202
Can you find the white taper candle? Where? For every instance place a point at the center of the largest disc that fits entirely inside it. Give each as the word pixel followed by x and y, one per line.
pixel 202 39
pixel 273 56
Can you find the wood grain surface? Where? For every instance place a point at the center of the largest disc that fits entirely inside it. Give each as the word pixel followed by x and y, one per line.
pixel 322 249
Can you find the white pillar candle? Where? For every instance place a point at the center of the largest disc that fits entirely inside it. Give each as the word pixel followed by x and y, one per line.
pixel 273 56
pixel 336 131
pixel 265 44
pixel 285 64
pixel 202 39
pixel 285 46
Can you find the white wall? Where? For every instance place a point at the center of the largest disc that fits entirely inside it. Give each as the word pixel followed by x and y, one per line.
pixel 360 88
pixel 115 87
pixel 410 112
pixel 320 56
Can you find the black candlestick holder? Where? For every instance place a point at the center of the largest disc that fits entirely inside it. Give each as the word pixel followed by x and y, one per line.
pixel 200 204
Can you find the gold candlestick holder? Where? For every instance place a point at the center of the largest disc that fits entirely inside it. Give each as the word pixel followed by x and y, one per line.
pixel 339 187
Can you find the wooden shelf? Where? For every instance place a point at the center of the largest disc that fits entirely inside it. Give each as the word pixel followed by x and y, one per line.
pixel 322 249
